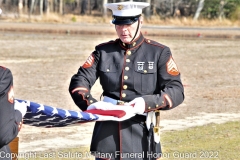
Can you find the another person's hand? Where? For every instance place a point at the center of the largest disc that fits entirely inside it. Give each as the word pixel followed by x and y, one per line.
pixel 22 107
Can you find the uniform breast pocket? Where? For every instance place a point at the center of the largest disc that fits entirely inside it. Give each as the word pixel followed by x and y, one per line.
pixel 109 76
pixel 145 79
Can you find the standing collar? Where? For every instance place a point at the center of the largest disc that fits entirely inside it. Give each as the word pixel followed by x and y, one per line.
pixel 138 41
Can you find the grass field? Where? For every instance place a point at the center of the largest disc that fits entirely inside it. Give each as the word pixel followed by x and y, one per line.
pixel 210 142
pixel 214 141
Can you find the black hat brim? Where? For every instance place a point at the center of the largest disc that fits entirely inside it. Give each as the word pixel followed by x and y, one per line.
pixel 124 20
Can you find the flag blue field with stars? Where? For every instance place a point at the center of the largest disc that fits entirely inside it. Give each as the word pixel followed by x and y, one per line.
pixel 40 115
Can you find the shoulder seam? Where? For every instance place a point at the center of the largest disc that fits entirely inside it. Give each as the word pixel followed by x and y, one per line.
pixel 148 41
pixel 106 43
pixel 3 67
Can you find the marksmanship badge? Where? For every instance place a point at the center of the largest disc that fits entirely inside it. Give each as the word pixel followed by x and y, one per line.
pixel 150 65
pixel 140 65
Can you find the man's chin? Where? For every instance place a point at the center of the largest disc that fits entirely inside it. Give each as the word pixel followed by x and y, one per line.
pixel 126 40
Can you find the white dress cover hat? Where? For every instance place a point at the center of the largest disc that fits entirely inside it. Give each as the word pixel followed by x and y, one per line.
pixel 126 12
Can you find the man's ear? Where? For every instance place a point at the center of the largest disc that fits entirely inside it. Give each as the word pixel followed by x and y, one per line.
pixel 141 20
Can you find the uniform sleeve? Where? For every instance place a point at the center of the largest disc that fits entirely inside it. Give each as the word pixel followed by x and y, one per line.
pixel 82 82
pixel 171 91
pixel 10 120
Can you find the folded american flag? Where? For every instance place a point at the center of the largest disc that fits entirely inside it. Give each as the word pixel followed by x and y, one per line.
pixel 40 115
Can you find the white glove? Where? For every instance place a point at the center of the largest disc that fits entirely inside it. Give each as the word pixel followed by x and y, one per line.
pixel 138 105
pixel 129 110
pixel 22 107
pixel 104 106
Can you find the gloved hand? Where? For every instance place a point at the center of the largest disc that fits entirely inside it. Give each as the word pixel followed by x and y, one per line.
pixel 104 106
pixel 129 110
pixel 138 105
pixel 22 107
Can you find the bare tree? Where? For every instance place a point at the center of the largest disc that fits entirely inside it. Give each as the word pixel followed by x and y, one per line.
pixel 60 7
pixel 31 8
pixel 41 7
pixel 153 6
pixel 90 7
pixel 84 7
pixel 171 8
pixel 104 8
pixel 95 5
pixel 51 6
pixel 148 9
pixel 26 6
pixel 20 7
pixel 176 11
pixel 47 6
pixel 221 10
pixel 199 9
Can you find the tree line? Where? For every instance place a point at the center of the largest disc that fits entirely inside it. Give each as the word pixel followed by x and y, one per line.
pixel 206 9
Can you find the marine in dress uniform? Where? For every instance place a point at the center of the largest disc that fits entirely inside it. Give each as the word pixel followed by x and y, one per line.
pixel 142 72
pixel 10 113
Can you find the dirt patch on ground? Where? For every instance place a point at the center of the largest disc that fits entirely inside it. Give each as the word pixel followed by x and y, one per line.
pixel 42 65
pixel 108 29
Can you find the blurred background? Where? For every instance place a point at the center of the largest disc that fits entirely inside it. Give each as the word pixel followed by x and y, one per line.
pixel 184 12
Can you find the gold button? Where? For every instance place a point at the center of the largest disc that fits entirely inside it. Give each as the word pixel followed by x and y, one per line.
pixel 108 70
pixel 145 71
pixel 124 86
pixel 91 101
pixel 126 68
pixel 149 107
pixel 134 43
pixel 87 96
pixel 156 105
pixel 162 102
pixel 125 77
pixel 129 53
pixel 127 60
pixel 124 44
pixel 149 41
pixel 124 95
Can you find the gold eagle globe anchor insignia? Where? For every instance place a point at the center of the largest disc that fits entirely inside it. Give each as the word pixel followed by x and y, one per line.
pixel 120 7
